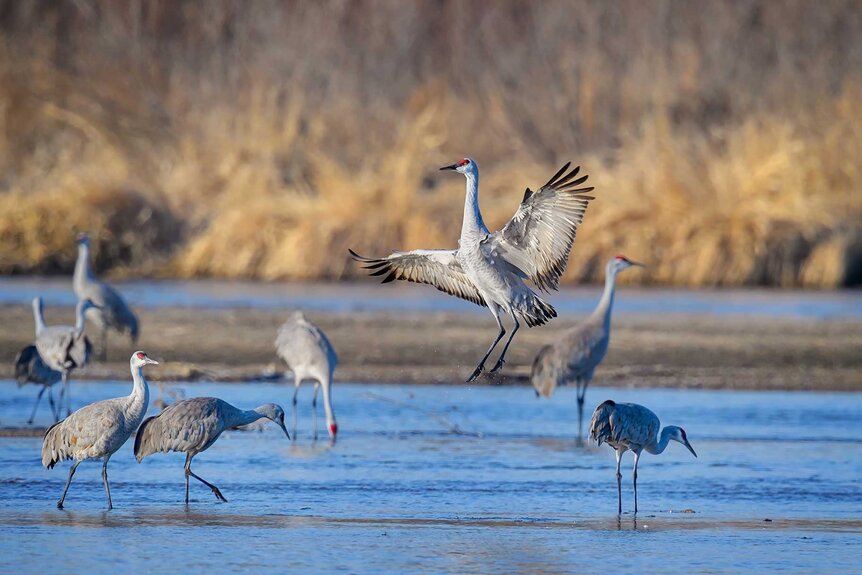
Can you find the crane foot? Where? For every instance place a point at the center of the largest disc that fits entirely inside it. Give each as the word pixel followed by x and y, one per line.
pixel 498 365
pixel 218 495
pixel 476 373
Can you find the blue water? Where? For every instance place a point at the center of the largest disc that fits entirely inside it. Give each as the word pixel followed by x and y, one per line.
pixel 367 296
pixel 455 479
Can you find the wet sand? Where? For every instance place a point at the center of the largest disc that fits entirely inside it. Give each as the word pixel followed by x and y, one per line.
pixel 673 350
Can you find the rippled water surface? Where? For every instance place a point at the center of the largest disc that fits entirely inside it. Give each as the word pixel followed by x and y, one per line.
pixel 466 479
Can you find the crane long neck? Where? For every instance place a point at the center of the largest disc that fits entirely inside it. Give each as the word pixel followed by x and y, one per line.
pixel 38 316
pixel 606 303
pixel 327 400
pixel 659 446
pixel 140 396
pixel 473 227
pixel 246 416
pixel 82 265
pixel 80 312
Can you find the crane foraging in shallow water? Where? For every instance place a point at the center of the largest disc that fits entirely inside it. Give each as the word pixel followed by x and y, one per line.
pixel 193 425
pixel 111 310
pixel 575 355
pixel 629 426
pixel 99 429
pixel 489 269
pixel 309 355
pixel 63 348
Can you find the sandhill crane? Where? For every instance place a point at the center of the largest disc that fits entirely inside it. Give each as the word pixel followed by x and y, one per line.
pixel 112 311
pixel 99 429
pixel 193 425
pixel 29 368
pixel 629 426
pixel 63 348
pixel 309 355
pixel 489 268
pixel 575 355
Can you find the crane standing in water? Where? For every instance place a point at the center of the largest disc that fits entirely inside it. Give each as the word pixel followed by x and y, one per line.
pixel 63 348
pixel 575 355
pixel 309 355
pixel 99 429
pixel 629 426
pixel 111 310
pixel 489 269
pixel 29 368
pixel 193 425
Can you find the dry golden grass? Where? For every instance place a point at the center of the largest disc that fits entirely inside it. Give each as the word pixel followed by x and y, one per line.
pixel 261 140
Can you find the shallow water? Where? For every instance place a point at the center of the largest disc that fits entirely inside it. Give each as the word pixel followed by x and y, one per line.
pixel 367 296
pixel 466 479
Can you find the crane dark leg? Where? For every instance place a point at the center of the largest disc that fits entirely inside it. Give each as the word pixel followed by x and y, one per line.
pixel 314 409
pixel 619 484
pixel 214 489
pixel 105 481
pixel 65 394
pixel 635 479
pixel 502 359
pixel 38 399
pixel 68 482
pixel 293 416
pixel 582 390
pixel 54 411
pixel 481 367
pixel 104 350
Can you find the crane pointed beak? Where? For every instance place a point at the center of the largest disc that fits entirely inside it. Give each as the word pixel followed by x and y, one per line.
pixel 151 361
pixel 638 264
pixel 690 448
pixel 284 429
pixel 450 167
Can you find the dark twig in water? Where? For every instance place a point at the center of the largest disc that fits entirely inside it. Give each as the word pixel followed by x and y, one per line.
pixel 451 427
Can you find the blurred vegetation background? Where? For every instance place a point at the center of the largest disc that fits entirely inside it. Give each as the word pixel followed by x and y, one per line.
pixel 261 139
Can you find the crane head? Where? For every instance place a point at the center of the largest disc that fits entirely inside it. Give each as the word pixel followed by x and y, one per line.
pixel 274 413
pixel 333 430
pixel 621 262
pixel 461 166
pixel 680 436
pixel 140 358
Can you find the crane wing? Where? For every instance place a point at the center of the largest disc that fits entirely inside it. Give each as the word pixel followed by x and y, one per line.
pixel 623 423
pixel 187 426
pixel 439 268
pixel 300 338
pixel 601 428
pixel 25 364
pixel 539 237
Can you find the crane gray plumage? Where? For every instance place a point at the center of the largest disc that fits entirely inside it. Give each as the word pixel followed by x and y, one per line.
pixel 632 427
pixel 98 430
pixel 310 356
pixel 191 426
pixel 29 368
pixel 489 269
pixel 112 311
pixel 574 356
pixel 63 348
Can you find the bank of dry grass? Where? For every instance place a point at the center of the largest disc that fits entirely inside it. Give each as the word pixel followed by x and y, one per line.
pixel 264 139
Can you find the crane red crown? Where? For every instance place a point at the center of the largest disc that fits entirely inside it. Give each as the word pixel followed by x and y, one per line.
pixel 621 257
pixel 141 355
pixel 464 162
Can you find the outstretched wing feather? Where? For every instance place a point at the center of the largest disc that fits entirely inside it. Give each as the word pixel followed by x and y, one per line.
pixel 539 237
pixel 438 268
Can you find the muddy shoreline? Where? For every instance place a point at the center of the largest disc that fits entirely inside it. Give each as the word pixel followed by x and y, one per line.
pixel 674 350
